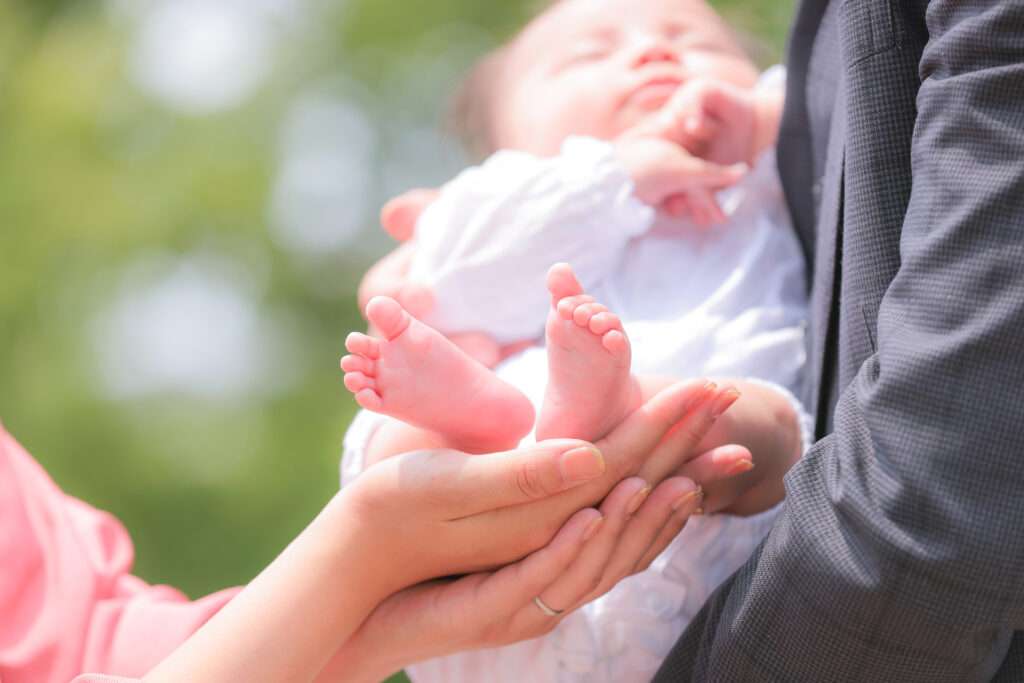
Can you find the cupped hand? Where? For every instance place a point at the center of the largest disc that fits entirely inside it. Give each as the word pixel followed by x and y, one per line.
pixel 443 512
pixel 589 555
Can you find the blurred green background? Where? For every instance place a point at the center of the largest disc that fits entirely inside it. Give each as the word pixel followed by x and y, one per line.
pixel 188 198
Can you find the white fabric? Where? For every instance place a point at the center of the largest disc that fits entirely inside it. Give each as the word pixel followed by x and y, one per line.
pixel 515 216
pixel 725 300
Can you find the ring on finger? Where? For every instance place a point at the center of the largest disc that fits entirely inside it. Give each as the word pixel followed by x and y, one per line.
pixel 545 609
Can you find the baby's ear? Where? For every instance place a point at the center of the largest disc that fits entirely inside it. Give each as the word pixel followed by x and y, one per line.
pixel 399 216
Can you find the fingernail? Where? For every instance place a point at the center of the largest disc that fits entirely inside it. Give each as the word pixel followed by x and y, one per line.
pixel 689 500
pixel 738 467
pixel 581 464
pixel 724 401
pixel 592 528
pixel 637 500
pixel 701 394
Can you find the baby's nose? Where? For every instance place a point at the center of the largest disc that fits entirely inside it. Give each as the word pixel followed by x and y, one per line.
pixel 655 50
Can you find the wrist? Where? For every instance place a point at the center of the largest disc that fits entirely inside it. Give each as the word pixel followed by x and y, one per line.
pixel 767 117
pixel 633 151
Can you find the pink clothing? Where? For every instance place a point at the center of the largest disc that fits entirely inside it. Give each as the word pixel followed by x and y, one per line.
pixel 68 603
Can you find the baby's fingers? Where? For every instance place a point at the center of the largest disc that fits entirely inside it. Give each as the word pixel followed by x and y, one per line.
pixel 705 208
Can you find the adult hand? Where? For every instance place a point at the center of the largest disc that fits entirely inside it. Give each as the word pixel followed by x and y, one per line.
pixel 591 553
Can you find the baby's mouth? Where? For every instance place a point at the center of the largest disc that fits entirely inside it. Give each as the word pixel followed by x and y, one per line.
pixel 654 93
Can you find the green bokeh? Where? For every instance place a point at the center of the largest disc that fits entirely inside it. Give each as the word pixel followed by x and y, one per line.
pixel 94 173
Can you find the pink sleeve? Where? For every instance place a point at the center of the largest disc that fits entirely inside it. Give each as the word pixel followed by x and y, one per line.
pixel 69 602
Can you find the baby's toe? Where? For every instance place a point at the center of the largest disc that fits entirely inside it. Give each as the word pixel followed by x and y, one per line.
pixel 363 345
pixel 387 315
pixel 562 282
pixel 567 306
pixel 359 364
pixel 604 321
pixel 369 399
pixel 357 382
pixel 616 343
pixel 586 312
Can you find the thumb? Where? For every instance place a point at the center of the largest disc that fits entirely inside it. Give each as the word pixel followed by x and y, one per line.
pixel 495 480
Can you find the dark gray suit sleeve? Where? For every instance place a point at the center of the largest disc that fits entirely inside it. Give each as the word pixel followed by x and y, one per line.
pixel 899 554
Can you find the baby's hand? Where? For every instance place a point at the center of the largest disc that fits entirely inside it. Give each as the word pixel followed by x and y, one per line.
pixel 719 121
pixel 668 177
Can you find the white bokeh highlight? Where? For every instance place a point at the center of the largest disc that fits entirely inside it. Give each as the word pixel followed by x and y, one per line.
pixel 190 325
pixel 323 190
pixel 203 56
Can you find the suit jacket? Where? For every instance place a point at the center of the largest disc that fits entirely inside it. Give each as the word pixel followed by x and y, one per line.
pixel 899 553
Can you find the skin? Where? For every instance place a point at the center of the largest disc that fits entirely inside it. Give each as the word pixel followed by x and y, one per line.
pixel 582 66
pixel 322 606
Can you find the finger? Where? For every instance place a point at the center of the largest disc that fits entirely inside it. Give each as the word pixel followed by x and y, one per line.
pixel 677 446
pixel 479 483
pixel 705 208
pixel 398 217
pixel 626 448
pixel 699 172
pixel 586 572
pixel 644 530
pixel 682 509
pixel 700 215
pixel 717 464
pixel 513 587
pixel 677 205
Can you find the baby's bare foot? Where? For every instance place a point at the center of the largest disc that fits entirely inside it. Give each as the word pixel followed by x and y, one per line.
pixel 416 375
pixel 590 388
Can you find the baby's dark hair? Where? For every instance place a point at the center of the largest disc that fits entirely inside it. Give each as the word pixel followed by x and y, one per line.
pixel 470 112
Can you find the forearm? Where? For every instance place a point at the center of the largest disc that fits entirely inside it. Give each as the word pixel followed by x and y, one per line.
pixel 768 104
pixel 289 620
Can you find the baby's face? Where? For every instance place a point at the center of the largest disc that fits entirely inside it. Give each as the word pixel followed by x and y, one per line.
pixel 598 67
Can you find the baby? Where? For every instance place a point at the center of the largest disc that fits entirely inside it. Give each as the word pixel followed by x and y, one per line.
pixel 611 116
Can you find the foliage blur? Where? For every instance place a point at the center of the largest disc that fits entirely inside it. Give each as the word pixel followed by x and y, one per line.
pixel 188 197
